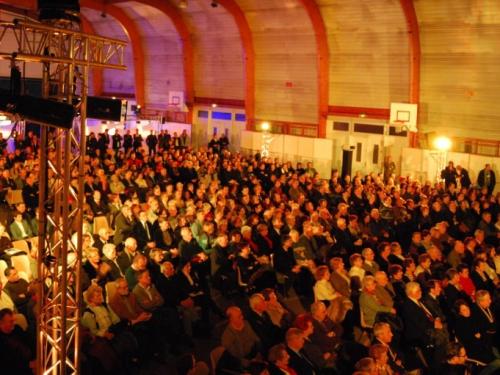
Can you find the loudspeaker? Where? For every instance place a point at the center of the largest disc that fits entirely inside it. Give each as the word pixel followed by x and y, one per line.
pixel 41 111
pixel 45 111
pixel 59 10
pixel 106 109
pixel 346 163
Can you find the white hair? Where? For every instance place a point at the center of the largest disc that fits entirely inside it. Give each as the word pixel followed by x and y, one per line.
pixel 107 249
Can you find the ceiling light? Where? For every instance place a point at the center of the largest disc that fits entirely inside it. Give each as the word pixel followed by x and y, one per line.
pixel 183 4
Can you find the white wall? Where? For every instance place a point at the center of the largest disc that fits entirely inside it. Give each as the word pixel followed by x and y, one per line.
pixel 293 148
pixel 388 144
pixel 424 166
pixel 203 128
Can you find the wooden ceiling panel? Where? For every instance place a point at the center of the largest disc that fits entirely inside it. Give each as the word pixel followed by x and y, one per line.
pixel 114 81
pixel 164 70
pixel 218 59
pixel 369 53
pixel 460 71
pixel 286 62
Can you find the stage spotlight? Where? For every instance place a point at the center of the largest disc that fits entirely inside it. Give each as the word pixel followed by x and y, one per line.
pixel 442 143
pixel 66 10
pixel 183 4
pixel 214 4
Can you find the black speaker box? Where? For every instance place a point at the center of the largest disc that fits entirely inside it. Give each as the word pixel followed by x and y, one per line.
pixel 104 108
pixel 41 111
pixel 59 10
pixel 45 111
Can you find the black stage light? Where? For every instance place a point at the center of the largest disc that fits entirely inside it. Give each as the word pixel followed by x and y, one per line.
pixel 214 4
pixel 38 110
pixel 106 108
pixel 68 10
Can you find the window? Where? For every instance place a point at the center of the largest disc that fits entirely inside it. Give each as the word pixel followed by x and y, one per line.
pixel 368 128
pixel 341 126
pixel 222 116
pixel 358 151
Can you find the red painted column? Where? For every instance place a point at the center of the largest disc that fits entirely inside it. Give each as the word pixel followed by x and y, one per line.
pixel 323 63
pixel 175 16
pixel 415 54
pixel 246 39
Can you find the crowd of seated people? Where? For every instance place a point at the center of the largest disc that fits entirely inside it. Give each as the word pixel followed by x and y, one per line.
pixel 392 276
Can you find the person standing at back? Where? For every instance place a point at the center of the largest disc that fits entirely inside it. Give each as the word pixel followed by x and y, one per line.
pixel 486 178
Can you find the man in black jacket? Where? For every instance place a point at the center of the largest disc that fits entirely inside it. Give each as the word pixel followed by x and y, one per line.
pixel 484 319
pixel 422 329
pixel 269 334
pixel 383 335
pixel 449 174
pixel 152 141
pixel 487 178
pixel 298 360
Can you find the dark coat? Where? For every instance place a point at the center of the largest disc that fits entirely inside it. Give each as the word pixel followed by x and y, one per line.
pixel 300 363
pixel 417 327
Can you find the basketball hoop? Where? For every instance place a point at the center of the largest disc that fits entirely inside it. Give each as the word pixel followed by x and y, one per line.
pixel 173 107
pixel 400 126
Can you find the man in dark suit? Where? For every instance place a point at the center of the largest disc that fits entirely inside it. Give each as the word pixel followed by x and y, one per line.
pixel 275 232
pixel 123 225
pixel 127 141
pixel 30 194
pixel 110 257
pixel 487 178
pixel 263 240
pixel 269 334
pixel 298 360
pixel 143 232
pixel 463 176
pixel 327 335
pixel 484 319
pixel 453 291
pixel 449 174
pixel 117 141
pixel 127 255
pixel 432 299
pixel 101 238
pixel 383 335
pixel 422 329
pixel 480 278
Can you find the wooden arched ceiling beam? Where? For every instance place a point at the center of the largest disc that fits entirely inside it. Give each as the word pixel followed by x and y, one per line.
pixel 415 54
pixel 323 57
pixel 96 73
pixel 247 42
pixel 135 39
pixel 175 16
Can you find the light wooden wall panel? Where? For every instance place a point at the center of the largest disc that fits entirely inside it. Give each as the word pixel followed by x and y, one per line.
pixel 164 69
pixel 369 52
pixel 218 53
pixel 460 70
pixel 114 81
pixel 285 51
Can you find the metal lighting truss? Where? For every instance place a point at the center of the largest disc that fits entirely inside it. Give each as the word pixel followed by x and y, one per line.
pixel 66 56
